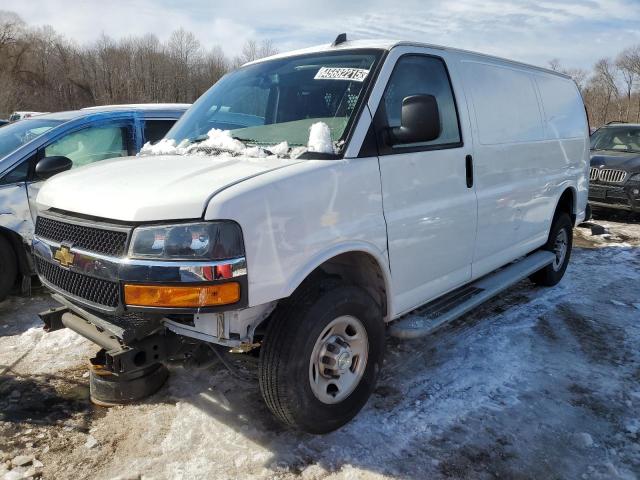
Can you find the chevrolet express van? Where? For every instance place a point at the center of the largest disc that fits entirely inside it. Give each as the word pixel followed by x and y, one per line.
pixel 306 203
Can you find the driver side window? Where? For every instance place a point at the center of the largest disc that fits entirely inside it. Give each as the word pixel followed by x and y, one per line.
pixel 91 145
pixel 422 75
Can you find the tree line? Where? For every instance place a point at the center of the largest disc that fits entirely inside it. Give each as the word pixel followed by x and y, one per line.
pixel 42 70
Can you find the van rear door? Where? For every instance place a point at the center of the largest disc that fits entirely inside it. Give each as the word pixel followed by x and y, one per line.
pixel 429 203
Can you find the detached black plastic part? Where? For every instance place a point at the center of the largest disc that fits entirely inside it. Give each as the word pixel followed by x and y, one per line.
pixel 52 319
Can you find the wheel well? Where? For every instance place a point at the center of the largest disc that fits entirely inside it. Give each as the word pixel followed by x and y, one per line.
pixel 358 268
pixel 566 204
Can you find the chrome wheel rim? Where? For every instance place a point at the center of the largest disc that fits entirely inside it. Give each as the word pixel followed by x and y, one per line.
pixel 560 249
pixel 338 359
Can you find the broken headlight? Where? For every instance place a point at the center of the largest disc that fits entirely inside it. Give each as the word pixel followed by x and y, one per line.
pixel 188 241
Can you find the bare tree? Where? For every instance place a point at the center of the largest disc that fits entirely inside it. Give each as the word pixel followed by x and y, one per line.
pixel 625 63
pixel 253 50
pixel 11 25
pixel 604 80
pixel 41 70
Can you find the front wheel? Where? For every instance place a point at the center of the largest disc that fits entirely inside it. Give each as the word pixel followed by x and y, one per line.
pixel 560 242
pixel 321 355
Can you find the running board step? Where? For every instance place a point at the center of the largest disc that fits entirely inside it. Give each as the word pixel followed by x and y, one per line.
pixel 453 305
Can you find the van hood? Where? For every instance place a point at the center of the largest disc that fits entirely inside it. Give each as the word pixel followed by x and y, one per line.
pixel 162 187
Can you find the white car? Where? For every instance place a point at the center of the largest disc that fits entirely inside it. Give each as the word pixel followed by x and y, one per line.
pixel 305 202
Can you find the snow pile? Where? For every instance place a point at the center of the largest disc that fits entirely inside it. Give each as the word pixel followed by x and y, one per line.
pixel 165 147
pixel 320 138
pixel 221 142
pixel 280 149
pixel 218 142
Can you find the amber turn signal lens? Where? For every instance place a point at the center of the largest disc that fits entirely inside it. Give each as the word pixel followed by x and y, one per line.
pixel 181 296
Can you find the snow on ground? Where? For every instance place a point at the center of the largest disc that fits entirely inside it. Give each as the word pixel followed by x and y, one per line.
pixel 538 383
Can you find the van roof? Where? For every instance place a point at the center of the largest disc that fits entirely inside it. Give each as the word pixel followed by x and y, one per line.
pixel 387 44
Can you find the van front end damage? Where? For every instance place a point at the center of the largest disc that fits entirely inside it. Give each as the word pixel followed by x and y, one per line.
pixel 142 312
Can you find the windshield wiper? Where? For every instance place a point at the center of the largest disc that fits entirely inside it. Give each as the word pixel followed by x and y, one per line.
pixel 251 140
pixel 199 138
pixel 243 140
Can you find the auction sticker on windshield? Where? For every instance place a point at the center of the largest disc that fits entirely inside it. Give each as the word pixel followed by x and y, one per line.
pixel 338 73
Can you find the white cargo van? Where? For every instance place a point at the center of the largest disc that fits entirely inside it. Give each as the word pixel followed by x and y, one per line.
pixel 304 203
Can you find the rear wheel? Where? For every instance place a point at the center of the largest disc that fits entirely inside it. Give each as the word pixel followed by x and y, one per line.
pixel 8 268
pixel 560 242
pixel 321 355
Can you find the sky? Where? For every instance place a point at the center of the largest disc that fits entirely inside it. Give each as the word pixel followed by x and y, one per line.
pixel 577 32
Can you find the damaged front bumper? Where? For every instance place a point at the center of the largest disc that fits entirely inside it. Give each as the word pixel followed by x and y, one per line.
pixel 91 286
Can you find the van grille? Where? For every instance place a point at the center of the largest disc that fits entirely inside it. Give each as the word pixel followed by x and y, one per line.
pixel 95 290
pixel 607 175
pixel 99 240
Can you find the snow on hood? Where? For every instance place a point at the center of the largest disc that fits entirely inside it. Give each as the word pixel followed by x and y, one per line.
pixel 221 142
pixel 148 188
pixel 161 184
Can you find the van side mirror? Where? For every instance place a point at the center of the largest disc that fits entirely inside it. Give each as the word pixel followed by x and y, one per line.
pixel 419 122
pixel 50 166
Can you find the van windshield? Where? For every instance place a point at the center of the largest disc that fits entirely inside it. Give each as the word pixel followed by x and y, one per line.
pixel 276 103
pixel 17 134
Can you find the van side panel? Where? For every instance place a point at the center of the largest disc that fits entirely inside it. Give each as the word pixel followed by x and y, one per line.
pixel 521 168
pixel 566 130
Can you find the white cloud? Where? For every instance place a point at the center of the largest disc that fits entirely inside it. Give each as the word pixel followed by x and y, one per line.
pixel 576 31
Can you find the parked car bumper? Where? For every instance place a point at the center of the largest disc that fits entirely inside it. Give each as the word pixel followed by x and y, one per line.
pixel 615 197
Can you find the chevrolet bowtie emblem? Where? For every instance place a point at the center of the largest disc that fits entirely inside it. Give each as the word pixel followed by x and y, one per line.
pixel 64 256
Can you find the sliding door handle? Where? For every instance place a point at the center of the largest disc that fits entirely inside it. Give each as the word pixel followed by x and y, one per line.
pixel 469 168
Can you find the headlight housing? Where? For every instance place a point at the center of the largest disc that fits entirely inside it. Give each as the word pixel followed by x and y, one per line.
pixel 635 178
pixel 218 240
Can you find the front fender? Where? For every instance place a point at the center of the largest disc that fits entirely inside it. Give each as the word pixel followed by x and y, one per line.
pixel 297 217
pixel 317 260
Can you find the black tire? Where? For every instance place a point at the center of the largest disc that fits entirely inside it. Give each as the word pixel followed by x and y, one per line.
pixel 292 332
pixel 8 268
pixel 553 273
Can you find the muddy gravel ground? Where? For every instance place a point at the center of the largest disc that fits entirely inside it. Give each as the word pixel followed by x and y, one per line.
pixel 538 383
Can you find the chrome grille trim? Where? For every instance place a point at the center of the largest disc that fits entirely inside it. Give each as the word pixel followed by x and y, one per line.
pixel 607 175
